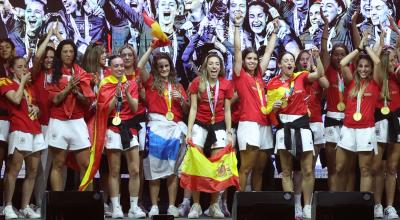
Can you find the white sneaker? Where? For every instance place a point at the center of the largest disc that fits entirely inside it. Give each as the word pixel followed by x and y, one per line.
pixel 117 212
pixel 307 212
pixel 207 212
pixel 224 208
pixel 173 210
pixel 136 212
pixel 8 211
pixel 195 211
pixel 28 212
pixel 378 211
pixel 215 211
pixel 107 210
pixel 298 211
pixel 391 213
pixel 183 209
pixel 154 211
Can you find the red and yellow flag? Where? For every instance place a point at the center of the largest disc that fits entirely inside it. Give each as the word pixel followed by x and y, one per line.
pixel 156 30
pixel 210 175
pixel 98 127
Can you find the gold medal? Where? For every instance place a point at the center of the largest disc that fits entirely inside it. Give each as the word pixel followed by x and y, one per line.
pixel 357 116
pixel 385 110
pixel 264 110
pixel 284 103
pixel 169 116
pixel 341 106
pixel 212 120
pixel 116 121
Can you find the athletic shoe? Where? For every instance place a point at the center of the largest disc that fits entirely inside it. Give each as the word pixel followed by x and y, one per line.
pixel 224 208
pixel 298 211
pixel 195 211
pixel 28 212
pixel 143 209
pixel 8 211
pixel 154 211
pixel 136 212
pixel 183 209
pixel 378 211
pixel 117 212
pixel 391 213
pixel 307 212
pixel 107 210
pixel 215 211
pixel 172 210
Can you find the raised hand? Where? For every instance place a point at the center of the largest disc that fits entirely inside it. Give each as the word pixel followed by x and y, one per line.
pixel 238 19
pixel 324 18
pixel 25 77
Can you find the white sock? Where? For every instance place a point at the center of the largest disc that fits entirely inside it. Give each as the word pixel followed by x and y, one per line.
pixel 134 201
pixel 114 201
pixel 297 199
pixel 186 201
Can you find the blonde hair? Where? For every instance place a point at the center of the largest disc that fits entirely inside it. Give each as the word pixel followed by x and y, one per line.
pixel 384 71
pixel 204 73
pixel 90 61
pixel 129 47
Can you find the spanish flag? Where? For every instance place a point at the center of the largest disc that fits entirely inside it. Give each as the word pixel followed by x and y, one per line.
pixel 156 30
pixel 210 175
pixel 98 127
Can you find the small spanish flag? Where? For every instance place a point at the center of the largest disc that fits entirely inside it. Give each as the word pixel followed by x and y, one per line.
pixel 210 175
pixel 156 30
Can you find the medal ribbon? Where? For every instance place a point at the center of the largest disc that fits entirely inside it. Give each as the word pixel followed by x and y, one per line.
pixel 385 97
pixel 359 97
pixel 168 98
pixel 213 105
pixel 340 87
pixel 118 105
pixel 260 94
pixel 290 91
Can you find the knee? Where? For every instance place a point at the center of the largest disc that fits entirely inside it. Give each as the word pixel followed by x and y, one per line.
pixel 391 169
pixel 114 172
pixel 307 173
pixel 365 171
pixel 245 170
pixel 31 173
pixel 58 165
pixel 133 170
pixel 83 165
pixel 340 168
pixel 286 173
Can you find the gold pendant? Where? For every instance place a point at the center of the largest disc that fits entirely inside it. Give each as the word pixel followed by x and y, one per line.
pixel 341 106
pixel 169 116
pixel 116 121
pixel 357 116
pixel 385 110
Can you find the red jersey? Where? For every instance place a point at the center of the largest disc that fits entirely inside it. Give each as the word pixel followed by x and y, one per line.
pixel 136 77
pixel 368 105
pixel 158 103
pixel 295 92
pixel 314 102
pixel 250 102
pixel 19 114
pixel 70 107
pixel 394 91
pixel 40 86
pixel 203 105
pixel 3 100
pixel 333 95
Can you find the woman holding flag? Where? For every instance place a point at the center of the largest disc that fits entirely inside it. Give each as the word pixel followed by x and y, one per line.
pixel 209 126
pixel 167 103
pixel 287 95
pixel 254 131
pixel 25 140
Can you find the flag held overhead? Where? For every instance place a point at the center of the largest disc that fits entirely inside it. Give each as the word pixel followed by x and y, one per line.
pixel 156 30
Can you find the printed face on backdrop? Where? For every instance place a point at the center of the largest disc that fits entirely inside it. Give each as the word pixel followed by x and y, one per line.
pixel 300 3
pixel 167 10
pixel 235 7
pixel 6 50
pixel 331 9
pixel 257 19
pixel 70 6
pixel 61 29
pixel 379 12
pixel 365 8
pixel 136 5
pixel 192 4
pixel 315 15
pixel 34 15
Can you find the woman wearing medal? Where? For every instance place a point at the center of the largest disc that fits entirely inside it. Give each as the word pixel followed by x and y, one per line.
pixel 210 112
pixel 294 136
pixel 358 132
pixel 254 132
pixel 387 131
pixel 25 140
pixel 167 103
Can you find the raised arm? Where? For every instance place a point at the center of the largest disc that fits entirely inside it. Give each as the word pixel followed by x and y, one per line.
pixel 325 57
pixel 376 61
pixel 270 47
pixel 144 59
pixel 40 53
pixel 355 34
pixel 237 44
pixel 319 71
pixel 16 96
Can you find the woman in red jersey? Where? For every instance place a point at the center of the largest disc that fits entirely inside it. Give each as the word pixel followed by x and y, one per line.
pixel 254 131
pixel 71 93
pixel 358 132
pixel 167 103
pixel 26 139
pixel 210 113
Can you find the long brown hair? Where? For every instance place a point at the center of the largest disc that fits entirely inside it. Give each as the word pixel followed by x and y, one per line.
pixel 204 74
pixel 358 87
pixel 158 82
pixel 90 61
pixel 384 71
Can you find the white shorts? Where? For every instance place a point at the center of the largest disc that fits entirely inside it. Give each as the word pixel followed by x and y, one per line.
pixel 142 136
pixel 254 134
pixel 306 135
pixel 68 135
pixel 332 133
pixel 25 142
pixel 382 131
pixel 114 141
pixel 318 131
pixel 44 130
pixel 358 139
pixel 4 130
pixel 199 136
